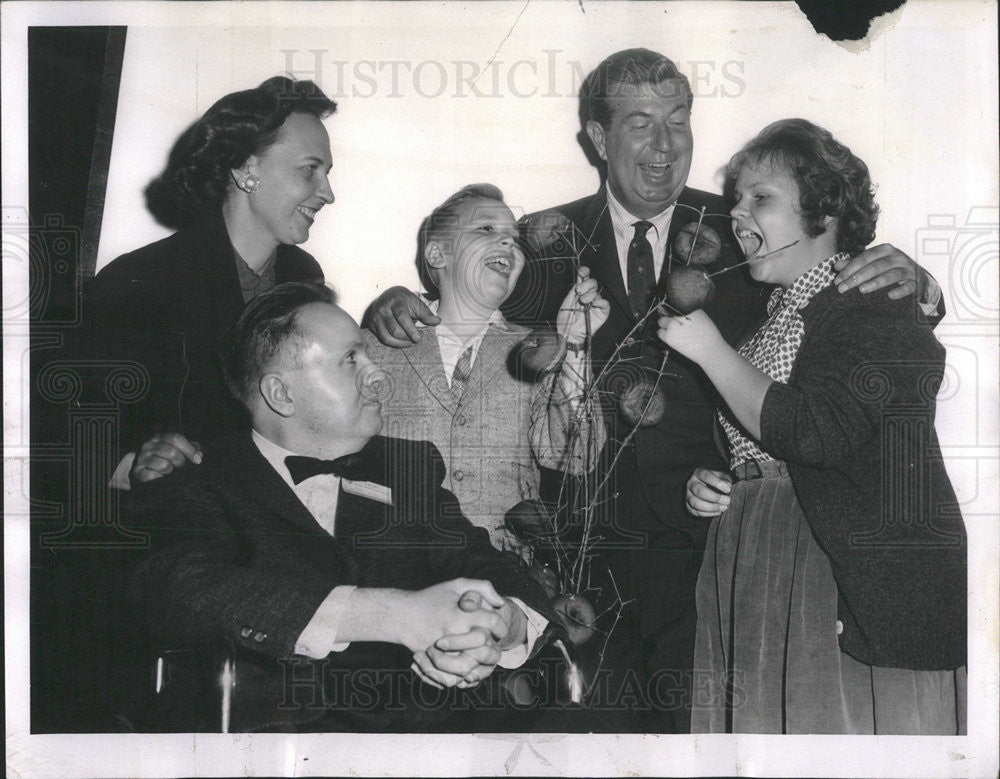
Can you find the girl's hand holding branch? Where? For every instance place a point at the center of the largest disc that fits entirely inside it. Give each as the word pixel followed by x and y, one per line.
pixel 741 385
pixel 694 335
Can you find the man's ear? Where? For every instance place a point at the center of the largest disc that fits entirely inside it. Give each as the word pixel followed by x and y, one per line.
pixel 275 393
pixel 434 255
pixel 596 132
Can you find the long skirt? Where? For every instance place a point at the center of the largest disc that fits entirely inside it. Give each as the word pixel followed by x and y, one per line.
pixel 767 658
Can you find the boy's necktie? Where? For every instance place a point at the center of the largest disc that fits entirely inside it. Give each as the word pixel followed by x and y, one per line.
pixel 463 370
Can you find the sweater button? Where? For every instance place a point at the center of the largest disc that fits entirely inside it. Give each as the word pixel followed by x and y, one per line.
pixel 840 627
pixel 459 475
pixel 460 420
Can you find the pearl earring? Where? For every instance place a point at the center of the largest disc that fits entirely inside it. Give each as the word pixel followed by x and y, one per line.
pixel 250 184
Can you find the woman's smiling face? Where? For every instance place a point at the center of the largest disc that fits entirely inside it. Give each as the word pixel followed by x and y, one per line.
pixel 294 183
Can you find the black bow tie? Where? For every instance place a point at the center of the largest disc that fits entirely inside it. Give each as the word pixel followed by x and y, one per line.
pixel 349 467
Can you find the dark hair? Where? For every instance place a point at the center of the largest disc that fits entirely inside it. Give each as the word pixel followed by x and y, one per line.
pixel 440 224
pixel 268 321
pixel 831 181
pixel 239 125
pixel 628 68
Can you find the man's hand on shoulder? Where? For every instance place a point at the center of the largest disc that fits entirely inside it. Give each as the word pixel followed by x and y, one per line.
pixel 161 455
pixel 394 314
pixel 885 267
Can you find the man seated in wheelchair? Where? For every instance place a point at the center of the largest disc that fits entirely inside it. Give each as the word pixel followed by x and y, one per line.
pixel 331 561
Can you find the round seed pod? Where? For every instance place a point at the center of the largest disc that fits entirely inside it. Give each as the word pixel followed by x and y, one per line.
pixel 541 351
pixel 528 520
pixel 697 244
pixel 577 615
pixel 546 234
pixel 687 289
pixel 643 403
pixel 545 576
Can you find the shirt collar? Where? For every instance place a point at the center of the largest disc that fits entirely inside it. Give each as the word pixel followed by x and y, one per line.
pixel 275 455
pixel 245 271
pixel 623 222
pixel 806 286
pixel 443 331
pixel 252 282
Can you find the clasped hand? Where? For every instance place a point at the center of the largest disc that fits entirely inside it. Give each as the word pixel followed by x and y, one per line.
pixel 458 630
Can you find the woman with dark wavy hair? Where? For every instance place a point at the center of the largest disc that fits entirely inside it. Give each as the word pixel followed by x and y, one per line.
pixel 244 184
pixel 832 596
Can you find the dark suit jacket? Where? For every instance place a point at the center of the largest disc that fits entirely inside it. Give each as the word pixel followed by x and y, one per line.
pixel 235 555
pixel 855 422
pixel 650 478
pixel 166 307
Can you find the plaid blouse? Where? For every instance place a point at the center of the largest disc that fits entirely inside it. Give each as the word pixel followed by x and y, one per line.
pixel 774 346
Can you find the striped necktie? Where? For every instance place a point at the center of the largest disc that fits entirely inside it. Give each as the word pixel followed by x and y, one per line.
pixel 463 370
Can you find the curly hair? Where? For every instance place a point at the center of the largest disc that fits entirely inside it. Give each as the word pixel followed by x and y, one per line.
pixel 238 126
pixel 268 321
pixel 441 222
pixel 628 68
pixel 831 180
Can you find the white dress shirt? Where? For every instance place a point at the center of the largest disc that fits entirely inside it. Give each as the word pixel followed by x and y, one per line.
pixel 452 344
pixel 623 224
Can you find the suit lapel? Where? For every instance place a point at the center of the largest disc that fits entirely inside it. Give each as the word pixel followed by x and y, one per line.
pixel 681 216
pixel 492 351
pixel 359 522
pixel 600 252
pixel 425 359
pixel 260 481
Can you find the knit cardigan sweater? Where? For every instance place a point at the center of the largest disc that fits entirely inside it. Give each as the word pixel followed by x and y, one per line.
pixel 855 423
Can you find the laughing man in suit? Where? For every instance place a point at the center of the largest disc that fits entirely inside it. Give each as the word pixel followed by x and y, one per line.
pixel 635 112
pixel 329 556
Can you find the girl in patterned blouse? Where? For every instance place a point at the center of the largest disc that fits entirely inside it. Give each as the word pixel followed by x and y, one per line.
pixel 832 594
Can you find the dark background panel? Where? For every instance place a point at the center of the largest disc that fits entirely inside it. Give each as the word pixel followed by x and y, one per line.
pixel 82 656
